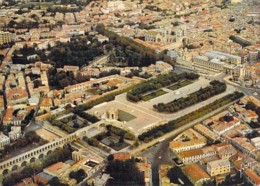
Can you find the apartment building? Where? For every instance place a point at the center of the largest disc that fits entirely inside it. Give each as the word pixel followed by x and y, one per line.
pixel 195 155
pixel 196 174
pixel 5 37
pixel 256 142
pixel 206 132
pixel 218 167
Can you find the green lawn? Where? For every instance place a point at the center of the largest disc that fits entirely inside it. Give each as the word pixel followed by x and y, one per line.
pixel 180 84
pixel 125 116
pixel 92 91
pixel 153 95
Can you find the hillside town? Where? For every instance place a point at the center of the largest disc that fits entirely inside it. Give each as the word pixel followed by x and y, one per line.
pixel 129 92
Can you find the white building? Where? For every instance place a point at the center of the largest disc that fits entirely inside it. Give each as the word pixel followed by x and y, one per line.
pixel 256 142
pixel 4 140
pixel 217 62
pixel 15 133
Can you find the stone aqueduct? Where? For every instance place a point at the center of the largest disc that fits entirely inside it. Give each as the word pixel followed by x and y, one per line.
pixel 30 156
pixel 24 159
pixel 38 153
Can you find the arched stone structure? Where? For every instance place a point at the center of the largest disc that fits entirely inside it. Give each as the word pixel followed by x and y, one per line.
pixel 112 113
pixel 41 156
pixel 15 167
pixel 37 153
pixel 24 163
pixel 50 151
pixel 33 159
pixel 5 172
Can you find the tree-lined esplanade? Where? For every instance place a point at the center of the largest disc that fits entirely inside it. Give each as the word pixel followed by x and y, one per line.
pixel 137 93
pixel 215 87
pixel 174 124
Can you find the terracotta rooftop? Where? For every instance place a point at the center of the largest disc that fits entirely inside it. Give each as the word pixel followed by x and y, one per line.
pixel 195 172
pixel 122 156
pixel 253 176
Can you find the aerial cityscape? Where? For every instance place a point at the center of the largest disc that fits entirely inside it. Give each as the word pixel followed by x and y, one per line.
pixel 129 92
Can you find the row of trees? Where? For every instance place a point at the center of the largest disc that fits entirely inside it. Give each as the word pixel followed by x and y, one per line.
pixel 23 24
pixel 95 143
pixel 129 52
pixel 119 132
pixel 171 125
pixel 63 9
pixel 203 94
pixel 136 94
pixel 86 116
pixel 240 41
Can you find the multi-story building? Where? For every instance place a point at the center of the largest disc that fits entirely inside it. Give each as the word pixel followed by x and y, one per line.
pixel 15 133
pixel 46 104
pixel 220 127
pixel 5 37
pixel 217 62
pixel 206 132
pixel 195 155
pixel 188 145
pixel 188 140
pixel 67 68
pixel 196 174
pixel 218 167
pixel 164 179
pixel 244 145
pixel 253 55
pixel 248 115
pixel 206 63
pixel 145 168
pixel 256 142
pixel 252 177
pixel 159 37
pixel 4 140
pixel 249 75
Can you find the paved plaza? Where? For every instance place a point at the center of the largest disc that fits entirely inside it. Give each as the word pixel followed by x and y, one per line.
pixel 146 116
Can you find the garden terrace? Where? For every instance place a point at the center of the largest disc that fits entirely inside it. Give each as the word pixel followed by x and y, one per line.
pixel 137 93
pixel 203 94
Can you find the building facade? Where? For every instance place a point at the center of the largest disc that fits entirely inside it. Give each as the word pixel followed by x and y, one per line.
pixel 5 37
pixel 218 167
pixel 4 140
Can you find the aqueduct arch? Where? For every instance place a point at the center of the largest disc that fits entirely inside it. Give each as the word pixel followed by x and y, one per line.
pixel 5 172
pixel 22 160
pixel 24 163
pixel 33 159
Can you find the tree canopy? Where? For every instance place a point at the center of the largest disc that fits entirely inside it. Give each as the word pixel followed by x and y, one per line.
pixel 136 94
pixel 124 173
